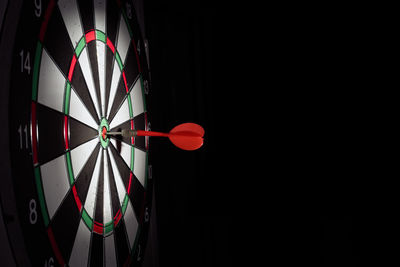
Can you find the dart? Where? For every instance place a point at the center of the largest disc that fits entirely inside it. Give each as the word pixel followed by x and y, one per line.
pixel 186 136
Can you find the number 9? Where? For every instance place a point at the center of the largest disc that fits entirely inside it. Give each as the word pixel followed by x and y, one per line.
pixel 38 7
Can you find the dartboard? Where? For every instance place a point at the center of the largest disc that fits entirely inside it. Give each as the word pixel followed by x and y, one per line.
pixel 79 69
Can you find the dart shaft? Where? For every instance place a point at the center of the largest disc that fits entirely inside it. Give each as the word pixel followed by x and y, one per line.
pixel 114 133
pixel 124 133
pixel 149 133
pixel 134 133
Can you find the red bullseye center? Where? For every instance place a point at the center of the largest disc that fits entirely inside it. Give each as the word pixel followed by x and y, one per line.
pixel 104 133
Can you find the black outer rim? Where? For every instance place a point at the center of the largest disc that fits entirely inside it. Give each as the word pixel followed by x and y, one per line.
pixel 7 197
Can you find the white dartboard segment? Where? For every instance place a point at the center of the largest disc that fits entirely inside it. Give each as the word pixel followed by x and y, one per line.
pixel 100 15
pixel 123 39
pixel 79 111
pixel 81 154
pixel 137 98
pixel 101 58
pixel 117 178
pixel 122 114
pixel 92 192
pixel 107 214
pixel 51 84
pixel 139 166
pixel 109 251
pixel 131 223
pixel 116 76
pixel 55 183
pixel 126 151
pixel 87 74
pixel 80 250
pixel 100 24
pixel 70 14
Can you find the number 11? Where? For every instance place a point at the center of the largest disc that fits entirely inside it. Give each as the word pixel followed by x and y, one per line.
pixel 21 138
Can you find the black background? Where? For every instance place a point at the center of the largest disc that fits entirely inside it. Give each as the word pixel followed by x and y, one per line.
pixel 195 196
pixel 290 72
pixel 339 241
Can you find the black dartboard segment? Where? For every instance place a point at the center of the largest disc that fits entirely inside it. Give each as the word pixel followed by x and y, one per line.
pixel 82 200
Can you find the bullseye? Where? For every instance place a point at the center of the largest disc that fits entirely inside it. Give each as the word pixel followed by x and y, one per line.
pixel 103 129
pixel 104 133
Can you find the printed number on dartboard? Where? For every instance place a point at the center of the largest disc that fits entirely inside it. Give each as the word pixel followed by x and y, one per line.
pixel 23 136
pixel 38 7
pixel 33 215
pixel 25 61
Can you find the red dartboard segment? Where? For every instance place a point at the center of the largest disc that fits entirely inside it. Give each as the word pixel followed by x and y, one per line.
pixel 54 245
pixel 77 200
pixel 137 56
pixel 110 45
pixel 117 217
pixel 90 36
pixel 130 182
pixel 33 133
pixel 126 85
pixel 128 261
pixel 98 228
pixel 72 67
pixel 66 132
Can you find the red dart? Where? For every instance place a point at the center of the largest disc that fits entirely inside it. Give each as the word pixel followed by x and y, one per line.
pixel 186 136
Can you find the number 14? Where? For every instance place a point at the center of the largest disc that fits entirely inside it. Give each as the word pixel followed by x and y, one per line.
pixel 25 62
